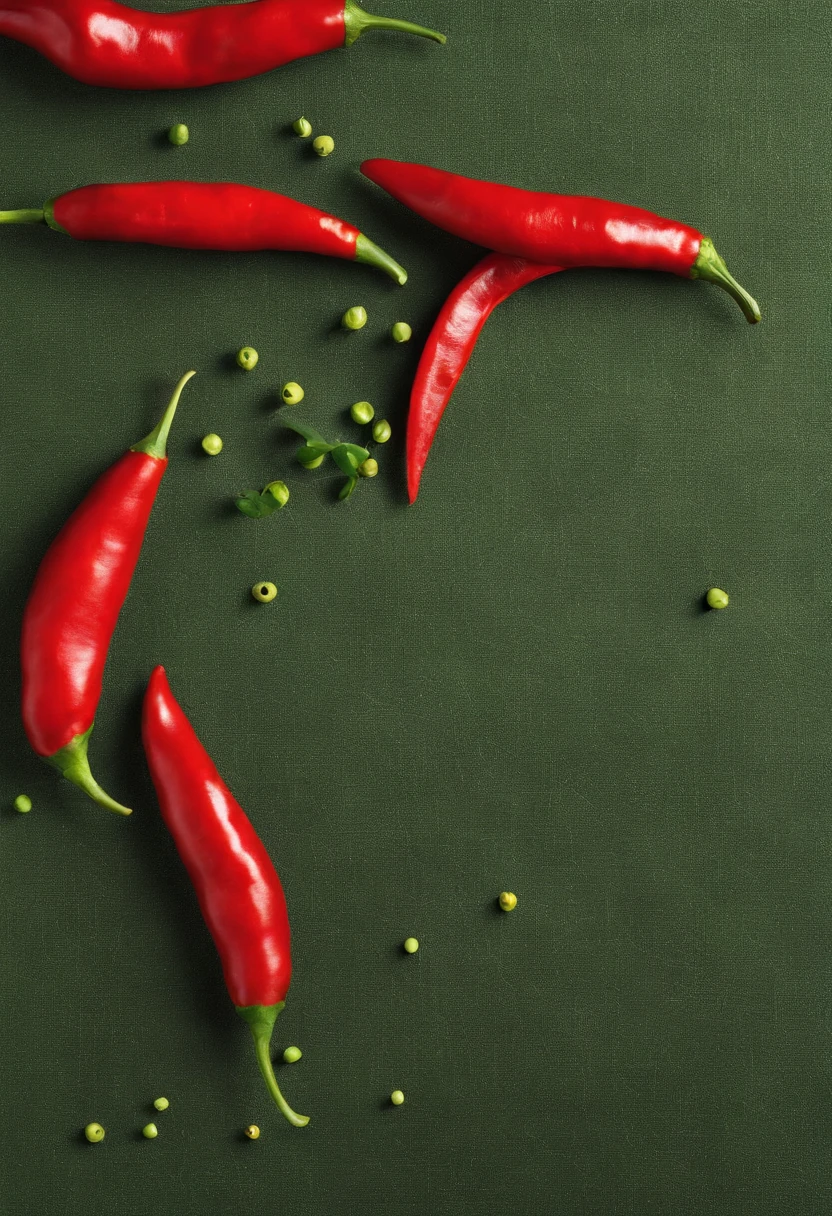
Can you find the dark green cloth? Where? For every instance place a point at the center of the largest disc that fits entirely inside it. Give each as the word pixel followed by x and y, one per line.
pixel 510 685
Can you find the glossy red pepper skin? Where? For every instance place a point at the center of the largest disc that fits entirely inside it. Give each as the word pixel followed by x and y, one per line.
pixel 74 605
pixel 564 230
pixel 451 343
pixel 105 43
pixel 204 215
pixel 237 886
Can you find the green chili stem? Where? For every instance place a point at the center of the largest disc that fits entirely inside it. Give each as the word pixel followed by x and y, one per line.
pixel 261 1019
pixel 357 21
pixel 72 762
pixel 155 444
pixel 710 266
pixel 27 215
pixel 370 254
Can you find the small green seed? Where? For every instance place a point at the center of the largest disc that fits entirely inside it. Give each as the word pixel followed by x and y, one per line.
pixel 179 134
pixel 292 393
pixel 247 358
pixel 362 412
pixel 354 318
pixel 94 1132
pixel 382 430
pixel 212 444
pixel 508 901
pixel 252 1131
pixel 717 598
pixel 279 492
pixel 397 1097
pixel 303 127
pixel 161 1103
pixel 23 803
pixel 292 1054
pixel 369 468
pixel 324 145
pixel 264 593
pixel 411 945
pixel 150 1131
pixel 313 464
pixel 401 332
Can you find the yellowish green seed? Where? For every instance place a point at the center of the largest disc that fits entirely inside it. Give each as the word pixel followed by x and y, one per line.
pixel 362 412
pixel 212 444
pixel 355 318
pixel 94 1132
pixel 303 127
pixel 397 1097
pixel 292 1054
pixel 717 598
pixel 382 430
pixel 252 1131
pixel 150 1131
pixel 508 901
pixel 247 358
pixel 324 145
pixel 401 332
pixel 264 593
pixel 161 1103
pixel 411 945
pixel 23 803
pixel 292 393
pixel 179 134
pixel 368 468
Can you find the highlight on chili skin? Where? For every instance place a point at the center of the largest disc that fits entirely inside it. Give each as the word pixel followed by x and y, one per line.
pixel 204 215
pixel 102 42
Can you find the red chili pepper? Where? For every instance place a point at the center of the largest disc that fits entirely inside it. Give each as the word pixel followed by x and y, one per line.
pixel 566 230
pixel 238 889
pixel 105 43
pixel 74 605
pixel 203 215
pixel 451 343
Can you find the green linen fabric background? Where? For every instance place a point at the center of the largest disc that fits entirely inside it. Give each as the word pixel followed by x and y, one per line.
pixel 511 684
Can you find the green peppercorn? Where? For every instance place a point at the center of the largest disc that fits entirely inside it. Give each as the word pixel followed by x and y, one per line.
pixel 362 412
pixel 179 134
pixel 368 468
pixel 313 464
pixel 247 358
pixel 324 145
pixel 94 1132
pixel 303 127
pixel 279 491
pixel 354 318
pixel 212 444
pixel 292 393
pixel 397 1097
pixel 411 945
pixel 382 430
pixel 717 598
pixel 252 1131
pixel 23 803
pixel 161 1103
pixel 264 593
pixel 292 1054
pixel 508 901
pixel 150 1131
pixel 401 332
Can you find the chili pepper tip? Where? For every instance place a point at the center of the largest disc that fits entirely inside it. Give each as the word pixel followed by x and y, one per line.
pixel 73 763
pixel 368 252
pixel 261 1019
pixel 357 21
pixel 155 444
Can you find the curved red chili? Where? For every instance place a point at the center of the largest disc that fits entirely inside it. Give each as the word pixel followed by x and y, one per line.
pixel 238 889
pixel 451 343
pixel 204 215
pixel 561 229
pixel 74 604
pixel 105 43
